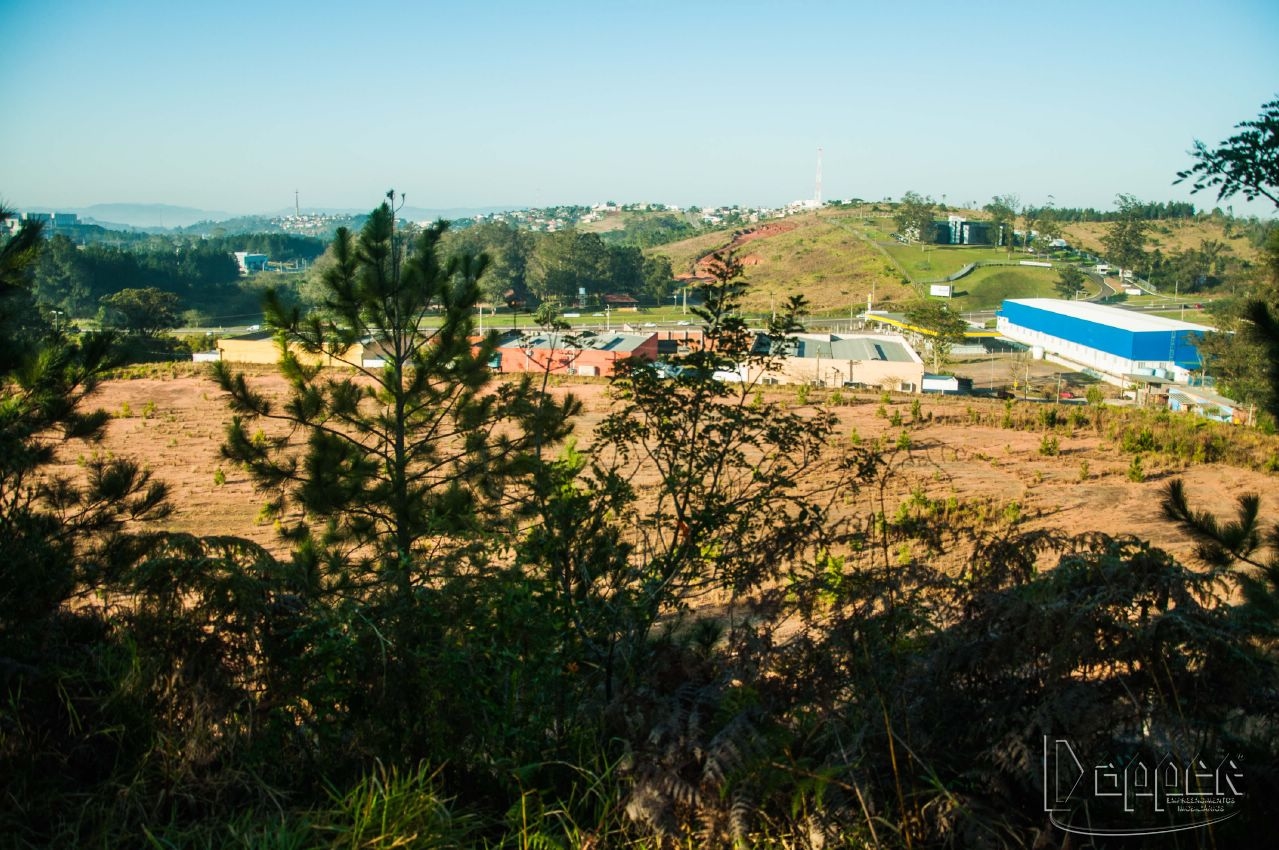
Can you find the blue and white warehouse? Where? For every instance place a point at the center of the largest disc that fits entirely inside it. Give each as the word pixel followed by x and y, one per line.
pixel 1110 341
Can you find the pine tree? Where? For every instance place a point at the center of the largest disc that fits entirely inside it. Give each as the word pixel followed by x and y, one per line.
pixel 408 442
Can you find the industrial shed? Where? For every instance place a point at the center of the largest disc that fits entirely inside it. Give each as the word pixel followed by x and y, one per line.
pixel 583 353
pixel 1203 402
pixel 884 361
pixel 1108 341
pixel 261 347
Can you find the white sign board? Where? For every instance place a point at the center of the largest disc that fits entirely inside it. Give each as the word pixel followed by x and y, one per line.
pixel 941 290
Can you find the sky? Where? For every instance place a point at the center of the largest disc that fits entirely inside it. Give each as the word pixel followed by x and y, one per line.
pixel 234 106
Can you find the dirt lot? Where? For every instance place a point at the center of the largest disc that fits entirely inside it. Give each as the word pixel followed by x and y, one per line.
pixel 175 427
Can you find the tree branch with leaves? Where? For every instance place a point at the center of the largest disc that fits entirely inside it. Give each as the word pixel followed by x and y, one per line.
pixel 1247 163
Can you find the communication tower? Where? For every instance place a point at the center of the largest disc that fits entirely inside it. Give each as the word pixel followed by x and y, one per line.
pixel 818 195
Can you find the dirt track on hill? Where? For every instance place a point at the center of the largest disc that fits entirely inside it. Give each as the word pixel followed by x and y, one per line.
pixel 175 427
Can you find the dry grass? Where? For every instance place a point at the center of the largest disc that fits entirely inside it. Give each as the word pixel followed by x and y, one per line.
pixel 175 426
pixel 825 257
pixel 684 253
pixel 1168 236
pixel 829 264
pixel 610 221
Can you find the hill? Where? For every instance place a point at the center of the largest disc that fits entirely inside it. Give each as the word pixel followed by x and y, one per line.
pixel 831 258
pixel 145 215
pixel 1171 236
pixel 838 256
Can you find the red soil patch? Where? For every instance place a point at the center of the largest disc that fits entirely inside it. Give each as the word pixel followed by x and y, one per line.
pixel 744 237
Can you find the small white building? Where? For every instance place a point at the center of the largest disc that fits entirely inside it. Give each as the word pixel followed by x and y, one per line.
pixel 250 262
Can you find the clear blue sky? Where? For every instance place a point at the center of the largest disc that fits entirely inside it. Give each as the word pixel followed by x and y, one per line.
pixel 234 105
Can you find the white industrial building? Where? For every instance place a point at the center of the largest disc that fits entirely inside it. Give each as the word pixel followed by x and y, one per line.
pixel 1113 344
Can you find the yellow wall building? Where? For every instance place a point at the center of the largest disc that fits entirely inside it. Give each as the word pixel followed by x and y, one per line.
pixel 260 347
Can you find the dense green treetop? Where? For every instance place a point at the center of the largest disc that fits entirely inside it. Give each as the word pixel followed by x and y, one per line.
pixel 1070 280
pixel 145 312
pixel 1125 239
pixel 946 328
pixel 914 217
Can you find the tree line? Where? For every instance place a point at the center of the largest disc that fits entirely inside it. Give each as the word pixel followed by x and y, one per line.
pixel 1147 210
pixel 202 276
pixel 564 266
pixel 200 273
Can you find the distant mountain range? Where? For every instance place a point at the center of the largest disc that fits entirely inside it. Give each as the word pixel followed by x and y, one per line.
pixel 143 216
pixel 153 216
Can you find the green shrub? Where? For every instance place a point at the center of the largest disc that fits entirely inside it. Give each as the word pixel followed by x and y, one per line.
pixel 1137 440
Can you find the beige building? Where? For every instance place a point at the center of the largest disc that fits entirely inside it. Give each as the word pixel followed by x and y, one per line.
pixel 882 361
pixel 260 347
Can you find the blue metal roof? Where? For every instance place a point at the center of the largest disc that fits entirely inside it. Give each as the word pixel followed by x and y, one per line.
pixel 1135 339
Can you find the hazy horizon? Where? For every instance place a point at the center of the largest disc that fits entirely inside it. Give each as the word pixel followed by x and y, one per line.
pixel 232 107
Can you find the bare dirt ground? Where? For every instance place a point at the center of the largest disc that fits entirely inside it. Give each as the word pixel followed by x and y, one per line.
pixel 175 428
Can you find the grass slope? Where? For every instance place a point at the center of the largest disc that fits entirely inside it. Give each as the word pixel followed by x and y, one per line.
pixel 827 258
pixel 987 287
pixel 1168 236
pixel 836 257
pixel 829 264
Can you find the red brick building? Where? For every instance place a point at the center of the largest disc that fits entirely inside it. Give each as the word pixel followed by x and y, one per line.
pixel 582 353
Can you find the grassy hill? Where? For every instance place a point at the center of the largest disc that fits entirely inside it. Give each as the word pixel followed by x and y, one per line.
pixel 1168 236
pixel 837 256
pixel 986 288
pixel 827 257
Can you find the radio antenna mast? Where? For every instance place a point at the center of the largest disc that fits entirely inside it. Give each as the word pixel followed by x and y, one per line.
pixel 818 195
